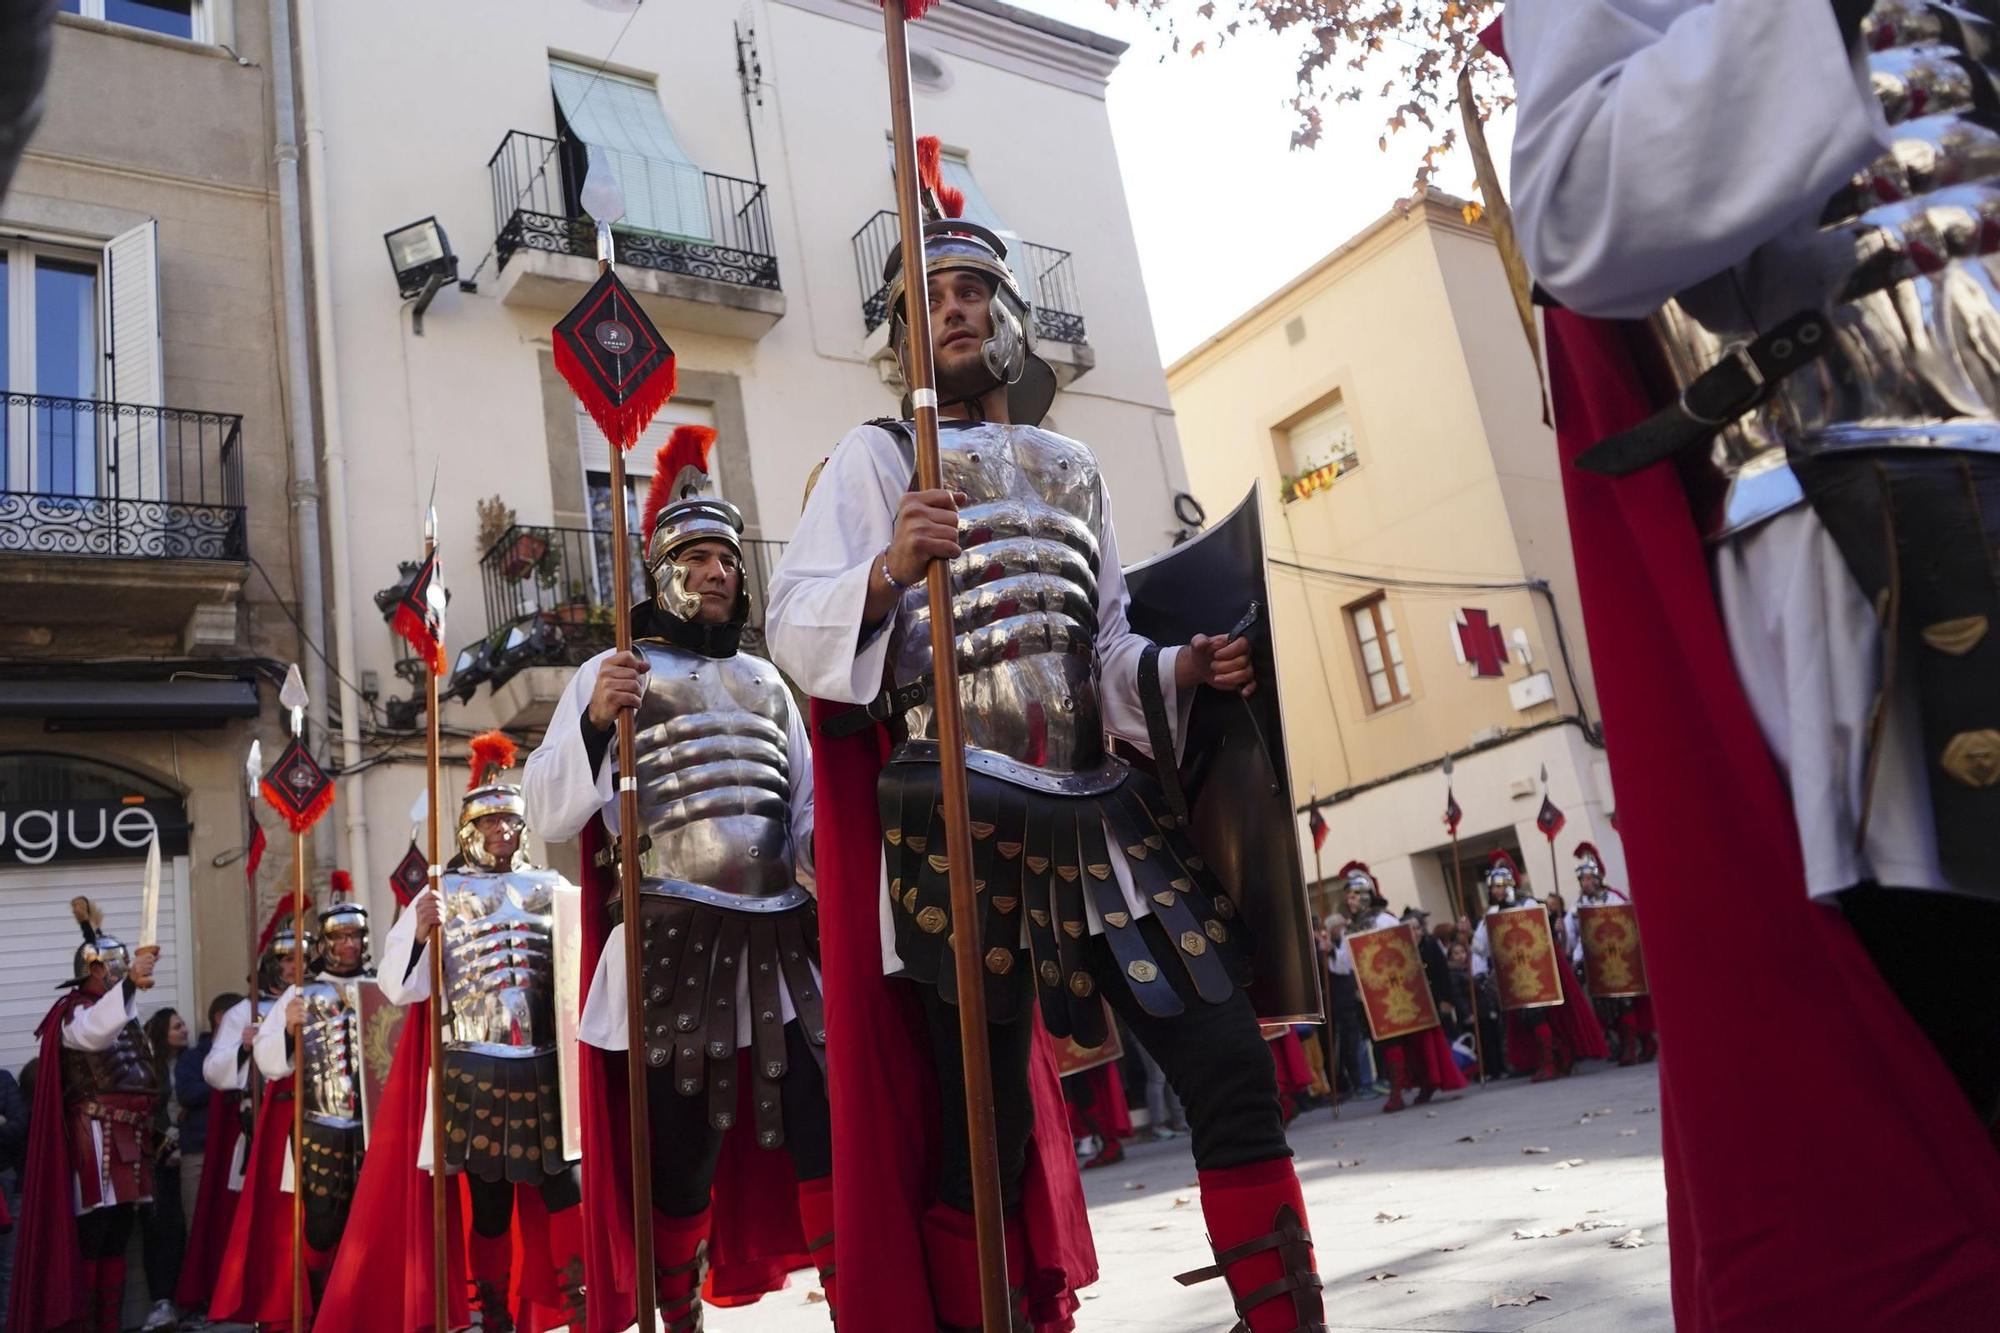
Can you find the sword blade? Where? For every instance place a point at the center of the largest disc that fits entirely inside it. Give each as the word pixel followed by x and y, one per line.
pixel 149 902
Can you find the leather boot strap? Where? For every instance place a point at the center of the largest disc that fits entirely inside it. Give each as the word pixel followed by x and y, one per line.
pixel 1294 1242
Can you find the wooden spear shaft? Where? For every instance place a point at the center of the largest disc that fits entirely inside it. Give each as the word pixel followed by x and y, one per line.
pixel 440 1289
pixel 628 897
pixel 1465 910
pixel 965 936
pixel 298 1087
pixel 250 932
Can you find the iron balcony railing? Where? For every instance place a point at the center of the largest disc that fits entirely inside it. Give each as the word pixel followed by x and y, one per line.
pixel 708 226
pixel 1046 274
pixel 562 577
pixel 86 477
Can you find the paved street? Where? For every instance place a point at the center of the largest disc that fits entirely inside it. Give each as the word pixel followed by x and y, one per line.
pixel 1456 1209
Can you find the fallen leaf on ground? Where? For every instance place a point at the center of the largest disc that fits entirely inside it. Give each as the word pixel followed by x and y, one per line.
pixel 1465 1138
pixel 1568 1163
pixel 1525 1298
pixel 1628 1133
pixel 1598 1224
pixel 1583 1120
pixel 1135 1184
pixel 1631 1240
pixel 815 1297
pixel 1430 1115
pixel 1351 1161
pixel 1602 1111
pixel 1390 1217
pixel 1646 1110
pixel 1181 1201
pixel 1450 1249
pixel 1378 1277
pixel 1532 1151
pixel 1542 1234
pixel 1543 1189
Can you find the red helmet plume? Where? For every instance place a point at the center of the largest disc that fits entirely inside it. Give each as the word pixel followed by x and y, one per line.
pixel 688 447
pixel 492 755
pixel 1356 874
pixel 340 885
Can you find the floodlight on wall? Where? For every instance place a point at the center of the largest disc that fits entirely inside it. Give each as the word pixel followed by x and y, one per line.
pixel 421 256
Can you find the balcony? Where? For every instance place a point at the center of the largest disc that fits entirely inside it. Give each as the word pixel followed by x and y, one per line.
pixel 721 277
pixel 546 593
pixel 1047 277
pixel 119 512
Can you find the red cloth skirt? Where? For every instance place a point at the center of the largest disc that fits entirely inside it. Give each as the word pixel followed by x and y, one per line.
pixel 214 1203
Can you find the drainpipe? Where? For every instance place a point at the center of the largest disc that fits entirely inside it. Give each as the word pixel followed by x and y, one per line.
pixel 355 808
pixel 305 456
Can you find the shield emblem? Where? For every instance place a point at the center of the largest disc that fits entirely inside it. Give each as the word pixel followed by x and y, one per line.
pixel 381 1028
pixel 1234 764
pixel 1394 991
pixel 1613 967
pixel 1074 1059
pixel 1524 956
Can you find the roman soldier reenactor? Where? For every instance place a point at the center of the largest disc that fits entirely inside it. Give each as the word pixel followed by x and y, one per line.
pixel 90 1141
pixel 1769 230
pixel 735 1032
pixel 1091 885
pixel 1419 1060
pixel 317 1026
pixel 1548 1040
pixel 1638 1035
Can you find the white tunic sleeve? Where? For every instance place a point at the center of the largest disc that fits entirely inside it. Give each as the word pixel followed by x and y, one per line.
pixel 1480 950
pixel 273 1059
pixel 558 787
pixel 224 1067
pixel 1660 142
pixel 401 982
pixel 799 746
pixel 1119 651
pixel 94 1027
pixel 820 587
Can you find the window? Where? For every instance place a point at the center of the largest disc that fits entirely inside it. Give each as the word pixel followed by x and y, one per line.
pixel 620 122
pixel 1374 631
pixel 1319 449
pixel 175 18
pixel 955 169
pixel 596 452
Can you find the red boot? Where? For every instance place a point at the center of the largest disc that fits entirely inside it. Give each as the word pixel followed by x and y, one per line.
pixel 1399 1075
pixel 110 1294
pixel 816 1220
pixel 1257 1229
pixel 951 1254
pixel 1546 1041
pixel 491 1259
pixel 566 1254
pixel 1628 1039
pixel 680 1263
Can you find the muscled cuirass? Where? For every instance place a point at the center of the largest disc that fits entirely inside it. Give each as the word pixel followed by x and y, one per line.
pixel 1024 605
pixel 715 780
pixel 499 961
pixel 1902 262
pixel 329 1050
pixel 125 1066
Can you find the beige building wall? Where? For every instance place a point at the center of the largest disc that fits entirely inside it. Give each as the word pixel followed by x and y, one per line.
pixel 409 125
pixel 140 126
pixel 1455 506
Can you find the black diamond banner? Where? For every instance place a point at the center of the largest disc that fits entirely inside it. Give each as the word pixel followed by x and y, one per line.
pixel 615 361
pixel 410 876
pixel 298 788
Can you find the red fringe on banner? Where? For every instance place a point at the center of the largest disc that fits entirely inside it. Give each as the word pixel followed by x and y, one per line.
pixel 916 9
pixel 304 819
pixel 409 625
pixel 623 422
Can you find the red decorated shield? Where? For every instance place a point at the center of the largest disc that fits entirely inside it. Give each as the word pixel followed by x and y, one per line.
pixel 1524 957
pixel 1391 977
pixel 381 1027
pixel 1613 967
pixel 1074 1059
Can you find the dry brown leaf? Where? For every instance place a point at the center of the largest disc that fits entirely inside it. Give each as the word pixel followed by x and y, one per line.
pixel 1567 1163
pixel 1541 1189
pixel 1628 1133
pixel 1631 1240
pixel 1535 1235
pixel 1598 1224
pixel 1525 1298
pixel 815 1297
pixel 1450 1249
pixel 1646 1110
pixel 1182 1201
pixel 1390 1217
pixel 1351 1161
pixel 1531 1152
pixel 1135 1184
pixel 1378 1277
pixel 1465 1138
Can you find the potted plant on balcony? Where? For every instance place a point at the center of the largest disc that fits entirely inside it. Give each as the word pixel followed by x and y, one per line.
pixel 574 613
pixel 517 550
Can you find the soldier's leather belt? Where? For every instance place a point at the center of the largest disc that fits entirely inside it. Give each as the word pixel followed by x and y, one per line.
pixel 1743 381
pixel 607 855
pixel 97 1110
pixel 888 704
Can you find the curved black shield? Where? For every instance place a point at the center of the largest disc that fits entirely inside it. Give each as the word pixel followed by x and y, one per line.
pixel 1234 766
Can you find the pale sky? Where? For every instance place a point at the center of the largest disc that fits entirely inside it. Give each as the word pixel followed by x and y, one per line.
pixel 1225 211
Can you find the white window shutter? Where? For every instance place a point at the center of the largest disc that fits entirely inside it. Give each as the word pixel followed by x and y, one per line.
pixel 135 376
pixel 639 460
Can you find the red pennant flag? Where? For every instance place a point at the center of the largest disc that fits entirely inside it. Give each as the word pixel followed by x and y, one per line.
pixel 614 360
pixel 1317 824
pixel 1549 819
pixel 298 788
pixel 419 615
pixel 410 876
pixel 1452 814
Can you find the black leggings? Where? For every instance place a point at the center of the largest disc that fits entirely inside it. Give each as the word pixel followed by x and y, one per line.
pixel 686 1147
pixel 1213 1055
pixel 493 1200
pixel 1934 950
pixel 103 1233
pixel 163 1231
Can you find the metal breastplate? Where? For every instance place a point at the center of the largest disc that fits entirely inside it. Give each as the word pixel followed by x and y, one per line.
pixel 499 961
pixel 329 1050
pixel 715 780
pixel 1903 262
pixel 1024 606
pixel 125 1066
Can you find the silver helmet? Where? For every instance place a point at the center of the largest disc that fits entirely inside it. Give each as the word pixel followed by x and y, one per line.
pixel 1588 862
pixel 342 920
pixel 103 948
pixel 682 509
pixel 1008 353
pixel 492 754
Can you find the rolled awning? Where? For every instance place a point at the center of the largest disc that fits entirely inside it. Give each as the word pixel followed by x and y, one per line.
pixel 136 705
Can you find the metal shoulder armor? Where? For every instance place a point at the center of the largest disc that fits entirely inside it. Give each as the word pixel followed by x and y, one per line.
pixel 499 960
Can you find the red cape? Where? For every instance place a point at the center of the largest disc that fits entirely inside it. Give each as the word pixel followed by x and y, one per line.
pixel 387 1244
pixel 214 1203
pixel 1792 1218
pixel 1430 1061
pixel 884 1090
pixel 755 1237
pixel 1574 1021
pixel 254 1283
pixel 1109 1112
pixel 48 1289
